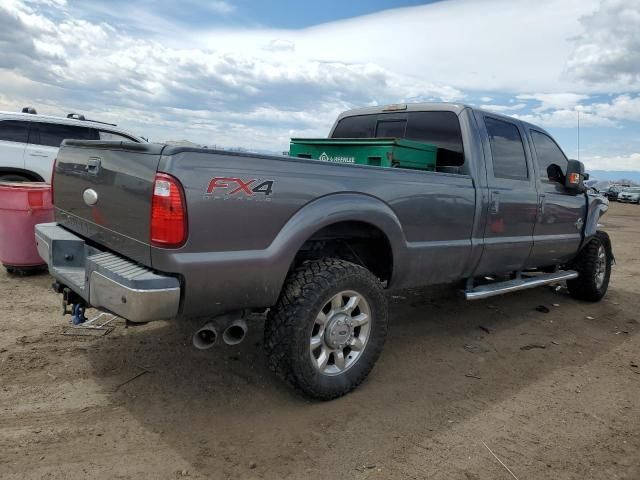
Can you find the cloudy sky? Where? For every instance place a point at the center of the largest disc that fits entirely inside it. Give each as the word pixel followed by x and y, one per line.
pixel 254 73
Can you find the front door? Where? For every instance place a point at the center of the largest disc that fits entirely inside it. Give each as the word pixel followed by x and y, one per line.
pixel 558 231
pixel 512 197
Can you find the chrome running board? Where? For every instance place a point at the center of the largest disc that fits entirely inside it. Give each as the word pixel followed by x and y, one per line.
pixel 500 288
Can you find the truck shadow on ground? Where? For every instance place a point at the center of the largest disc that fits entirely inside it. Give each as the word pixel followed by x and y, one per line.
pixel 223 411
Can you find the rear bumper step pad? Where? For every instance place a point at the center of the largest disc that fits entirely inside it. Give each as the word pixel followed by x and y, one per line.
pixel 105 280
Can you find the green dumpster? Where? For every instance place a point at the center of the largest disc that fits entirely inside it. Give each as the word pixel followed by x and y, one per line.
pixel 378 152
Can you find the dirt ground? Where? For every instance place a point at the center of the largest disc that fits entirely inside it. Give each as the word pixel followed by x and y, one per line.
pixel 553 395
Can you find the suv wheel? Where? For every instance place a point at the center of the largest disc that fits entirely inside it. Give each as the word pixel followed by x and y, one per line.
pixel 327 330
pixel 594 267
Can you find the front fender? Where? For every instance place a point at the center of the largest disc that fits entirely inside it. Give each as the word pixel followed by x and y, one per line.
pixel 596 207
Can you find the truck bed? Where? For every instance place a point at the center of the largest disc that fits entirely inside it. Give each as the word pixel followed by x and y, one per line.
pixel 243 241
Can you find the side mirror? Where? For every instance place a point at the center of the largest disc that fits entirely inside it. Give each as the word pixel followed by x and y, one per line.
pixel 554 173
pixel 575 177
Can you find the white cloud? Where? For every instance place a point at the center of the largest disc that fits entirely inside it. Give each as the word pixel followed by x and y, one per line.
pixel 566 119
pixel 48 3
pixel 257 87
pixel 503 108
pixel 628 163
pixel 607 52
pixel 277 45
pixel 243 97
pixel 220 6
pixel 561 110
pixel 623 107
pixel 493 45
pixel 551 101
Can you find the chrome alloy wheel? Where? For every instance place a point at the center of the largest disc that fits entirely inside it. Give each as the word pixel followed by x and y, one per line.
pixel 601 266
pixel 340 333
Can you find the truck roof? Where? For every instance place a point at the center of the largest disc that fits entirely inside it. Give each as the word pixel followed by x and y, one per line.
pixel 406 107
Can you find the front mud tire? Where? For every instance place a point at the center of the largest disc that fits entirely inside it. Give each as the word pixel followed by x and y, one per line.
pixel 315 290
pixel 593 265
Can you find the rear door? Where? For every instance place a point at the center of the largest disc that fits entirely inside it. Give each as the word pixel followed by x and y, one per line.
pixel 44 141
pixel 512 196
pixel 558 230
pixel 13 141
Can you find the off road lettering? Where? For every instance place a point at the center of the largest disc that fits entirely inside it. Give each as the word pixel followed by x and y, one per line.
pixel 234 186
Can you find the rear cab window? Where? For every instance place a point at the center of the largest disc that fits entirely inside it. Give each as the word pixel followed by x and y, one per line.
pixel 438 128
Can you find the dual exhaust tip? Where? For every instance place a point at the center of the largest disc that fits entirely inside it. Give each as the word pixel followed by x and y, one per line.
pixel 207 336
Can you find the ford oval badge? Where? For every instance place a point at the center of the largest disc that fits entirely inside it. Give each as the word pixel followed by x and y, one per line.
pixel 90 196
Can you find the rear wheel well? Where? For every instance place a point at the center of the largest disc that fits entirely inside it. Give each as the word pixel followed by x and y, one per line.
pixel 357 242
pixel 19 172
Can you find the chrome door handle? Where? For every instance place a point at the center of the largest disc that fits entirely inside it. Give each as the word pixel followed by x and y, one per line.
pixel 494 207
pixel 541 204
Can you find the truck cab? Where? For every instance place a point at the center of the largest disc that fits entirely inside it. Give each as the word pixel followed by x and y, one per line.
pixel 531 219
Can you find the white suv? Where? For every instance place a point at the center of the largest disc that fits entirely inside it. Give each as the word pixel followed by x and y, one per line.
pixel 29 142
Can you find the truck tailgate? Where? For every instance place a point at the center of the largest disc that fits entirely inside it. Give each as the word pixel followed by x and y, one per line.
pixel 102 191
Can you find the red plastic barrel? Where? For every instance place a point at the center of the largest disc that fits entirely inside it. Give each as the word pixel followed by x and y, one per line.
pixel 22 206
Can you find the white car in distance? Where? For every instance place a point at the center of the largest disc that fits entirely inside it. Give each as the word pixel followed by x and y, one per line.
pixel 29 142
pixel 630 195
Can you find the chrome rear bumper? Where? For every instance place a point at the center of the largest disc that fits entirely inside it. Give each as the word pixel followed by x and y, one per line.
pixel 105 280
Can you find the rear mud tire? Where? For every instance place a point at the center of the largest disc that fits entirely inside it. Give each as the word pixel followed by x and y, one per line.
pixel 292 323
pixel 594 270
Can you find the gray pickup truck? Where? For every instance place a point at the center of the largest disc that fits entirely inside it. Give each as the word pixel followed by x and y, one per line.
pixel 150 231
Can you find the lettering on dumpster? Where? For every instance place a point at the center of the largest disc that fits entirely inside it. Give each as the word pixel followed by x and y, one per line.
pixel 337 159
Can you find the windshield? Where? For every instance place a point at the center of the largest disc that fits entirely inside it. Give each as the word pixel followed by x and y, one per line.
pixel 632 190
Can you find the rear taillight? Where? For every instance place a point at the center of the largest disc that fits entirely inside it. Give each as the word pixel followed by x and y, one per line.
pixel 168 212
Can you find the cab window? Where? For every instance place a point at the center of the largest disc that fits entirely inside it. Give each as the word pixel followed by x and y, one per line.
pixel 548 153
pixel 507 151
pixel 359 126
pixel 391 129
pixel 441 129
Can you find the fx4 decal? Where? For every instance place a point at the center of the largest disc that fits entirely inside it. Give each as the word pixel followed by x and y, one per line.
pixel 238 187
